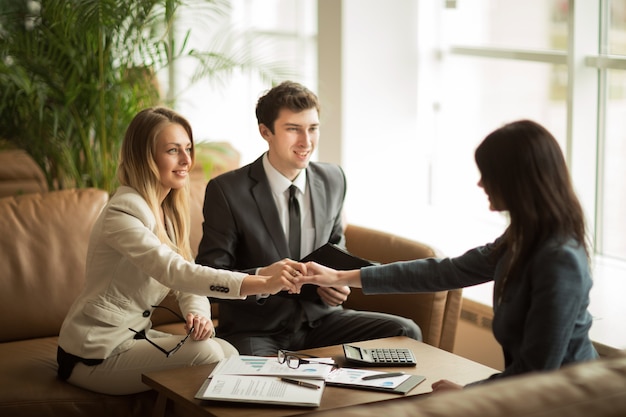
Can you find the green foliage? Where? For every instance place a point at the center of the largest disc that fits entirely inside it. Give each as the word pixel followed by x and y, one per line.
pixel 73 73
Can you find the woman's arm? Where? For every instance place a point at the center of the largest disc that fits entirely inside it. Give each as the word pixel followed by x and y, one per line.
pixel 328 277
pixel 476 266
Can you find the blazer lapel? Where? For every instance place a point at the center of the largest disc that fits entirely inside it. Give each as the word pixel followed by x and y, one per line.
pixel 262 195
pixel 318 205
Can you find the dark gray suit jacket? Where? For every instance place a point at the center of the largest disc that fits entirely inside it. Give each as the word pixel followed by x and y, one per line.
pixel 242 232
pixel 542 322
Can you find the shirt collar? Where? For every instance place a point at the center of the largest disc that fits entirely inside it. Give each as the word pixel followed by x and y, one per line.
pixel 278 182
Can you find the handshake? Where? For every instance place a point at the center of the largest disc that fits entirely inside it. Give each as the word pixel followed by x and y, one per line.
pixel 289 275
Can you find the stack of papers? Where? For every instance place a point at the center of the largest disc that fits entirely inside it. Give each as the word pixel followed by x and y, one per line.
pixel 262 380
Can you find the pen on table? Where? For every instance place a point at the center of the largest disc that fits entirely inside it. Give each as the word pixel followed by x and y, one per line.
pixel 300 383
pixel 379 376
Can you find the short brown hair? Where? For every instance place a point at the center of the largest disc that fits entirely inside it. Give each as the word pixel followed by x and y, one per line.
pixel 288 94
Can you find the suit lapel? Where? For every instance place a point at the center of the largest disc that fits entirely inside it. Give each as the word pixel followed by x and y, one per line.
pixel 318 204
pixel 262 195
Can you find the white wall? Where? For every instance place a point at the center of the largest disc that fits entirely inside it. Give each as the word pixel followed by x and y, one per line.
pixel 373 85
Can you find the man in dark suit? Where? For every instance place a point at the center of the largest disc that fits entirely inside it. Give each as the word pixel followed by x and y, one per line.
pixel 247 227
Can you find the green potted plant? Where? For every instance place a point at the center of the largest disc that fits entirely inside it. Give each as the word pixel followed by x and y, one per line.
pixel 73 73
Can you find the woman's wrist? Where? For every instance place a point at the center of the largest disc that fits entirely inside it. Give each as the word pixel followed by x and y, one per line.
pixel 252 285
pixel 350 278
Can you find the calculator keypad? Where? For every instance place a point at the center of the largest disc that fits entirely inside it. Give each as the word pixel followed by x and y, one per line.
pixel 382 355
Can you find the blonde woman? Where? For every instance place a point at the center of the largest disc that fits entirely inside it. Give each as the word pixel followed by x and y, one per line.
pixel 138 252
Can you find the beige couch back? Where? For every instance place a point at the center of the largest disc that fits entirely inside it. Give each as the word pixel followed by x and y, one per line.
pixel 44 243
pixel 590 389
pixel 20 174
pixel 436 313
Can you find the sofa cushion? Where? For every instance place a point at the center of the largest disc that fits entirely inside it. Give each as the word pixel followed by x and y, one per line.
pixel 30 386
pixel 44 243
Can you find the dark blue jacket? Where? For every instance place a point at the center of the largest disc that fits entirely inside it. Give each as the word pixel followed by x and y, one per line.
pixel 542 322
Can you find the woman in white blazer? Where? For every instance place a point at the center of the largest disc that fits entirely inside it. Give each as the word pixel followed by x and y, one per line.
pixel 138 252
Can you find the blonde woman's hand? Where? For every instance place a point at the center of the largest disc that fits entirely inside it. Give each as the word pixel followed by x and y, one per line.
pixel 284 277
pixel 278 267
pixel 202 326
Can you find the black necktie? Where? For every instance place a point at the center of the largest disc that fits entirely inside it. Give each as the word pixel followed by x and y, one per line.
pixel 294 224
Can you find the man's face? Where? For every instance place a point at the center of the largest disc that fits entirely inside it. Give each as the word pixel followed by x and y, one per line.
pixel 294 139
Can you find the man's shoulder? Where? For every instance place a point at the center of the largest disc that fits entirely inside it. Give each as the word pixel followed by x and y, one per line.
pixel 326 169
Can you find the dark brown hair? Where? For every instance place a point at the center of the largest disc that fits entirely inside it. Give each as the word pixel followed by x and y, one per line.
pixel 522 166
pixel 287 94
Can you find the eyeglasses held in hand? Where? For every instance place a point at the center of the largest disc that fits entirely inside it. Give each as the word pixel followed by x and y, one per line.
pixel 294 359
pixel 142 335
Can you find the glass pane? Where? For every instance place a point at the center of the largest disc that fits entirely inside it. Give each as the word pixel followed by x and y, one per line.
pixel 276 33
pixel 529 24
pixel 617 28
pixel 481 95
pixel 613 236
pixel 296 17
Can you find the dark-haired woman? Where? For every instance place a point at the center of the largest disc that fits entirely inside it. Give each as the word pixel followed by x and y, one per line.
pixel 540 265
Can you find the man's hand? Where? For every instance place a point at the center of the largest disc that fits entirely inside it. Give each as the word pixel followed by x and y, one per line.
pixel 333 296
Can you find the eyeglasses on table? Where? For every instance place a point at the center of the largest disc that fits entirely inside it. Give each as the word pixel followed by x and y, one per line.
pixel 295 359
pixel 141 334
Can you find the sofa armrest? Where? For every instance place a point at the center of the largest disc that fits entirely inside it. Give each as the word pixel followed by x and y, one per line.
pixel 436 313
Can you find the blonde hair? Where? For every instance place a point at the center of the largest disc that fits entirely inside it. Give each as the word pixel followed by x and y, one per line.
pixel 137 169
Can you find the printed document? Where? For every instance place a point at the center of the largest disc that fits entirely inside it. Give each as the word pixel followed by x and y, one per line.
pixel 256 379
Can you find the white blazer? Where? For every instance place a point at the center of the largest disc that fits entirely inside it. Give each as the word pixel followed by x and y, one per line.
pixel 129 270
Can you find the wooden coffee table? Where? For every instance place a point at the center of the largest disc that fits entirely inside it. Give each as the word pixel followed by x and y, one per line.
pixel 176 388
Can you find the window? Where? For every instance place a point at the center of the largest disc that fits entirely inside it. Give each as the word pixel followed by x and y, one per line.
pixel 503 60
pixel 277 33
pixel 475 64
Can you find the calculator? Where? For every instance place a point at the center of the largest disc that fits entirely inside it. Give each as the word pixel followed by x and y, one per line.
pixel 378 356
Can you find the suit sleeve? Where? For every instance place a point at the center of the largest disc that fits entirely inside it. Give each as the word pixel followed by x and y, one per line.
pixel 128 226
pixel 196 304
pixel 431 274
pixel 219 231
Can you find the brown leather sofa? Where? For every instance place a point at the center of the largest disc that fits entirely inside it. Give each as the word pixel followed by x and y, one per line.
pixel 44 242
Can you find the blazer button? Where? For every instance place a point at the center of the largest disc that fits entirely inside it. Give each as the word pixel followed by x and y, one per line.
pixel 212 287
pixel 226 290
pixel 146 313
